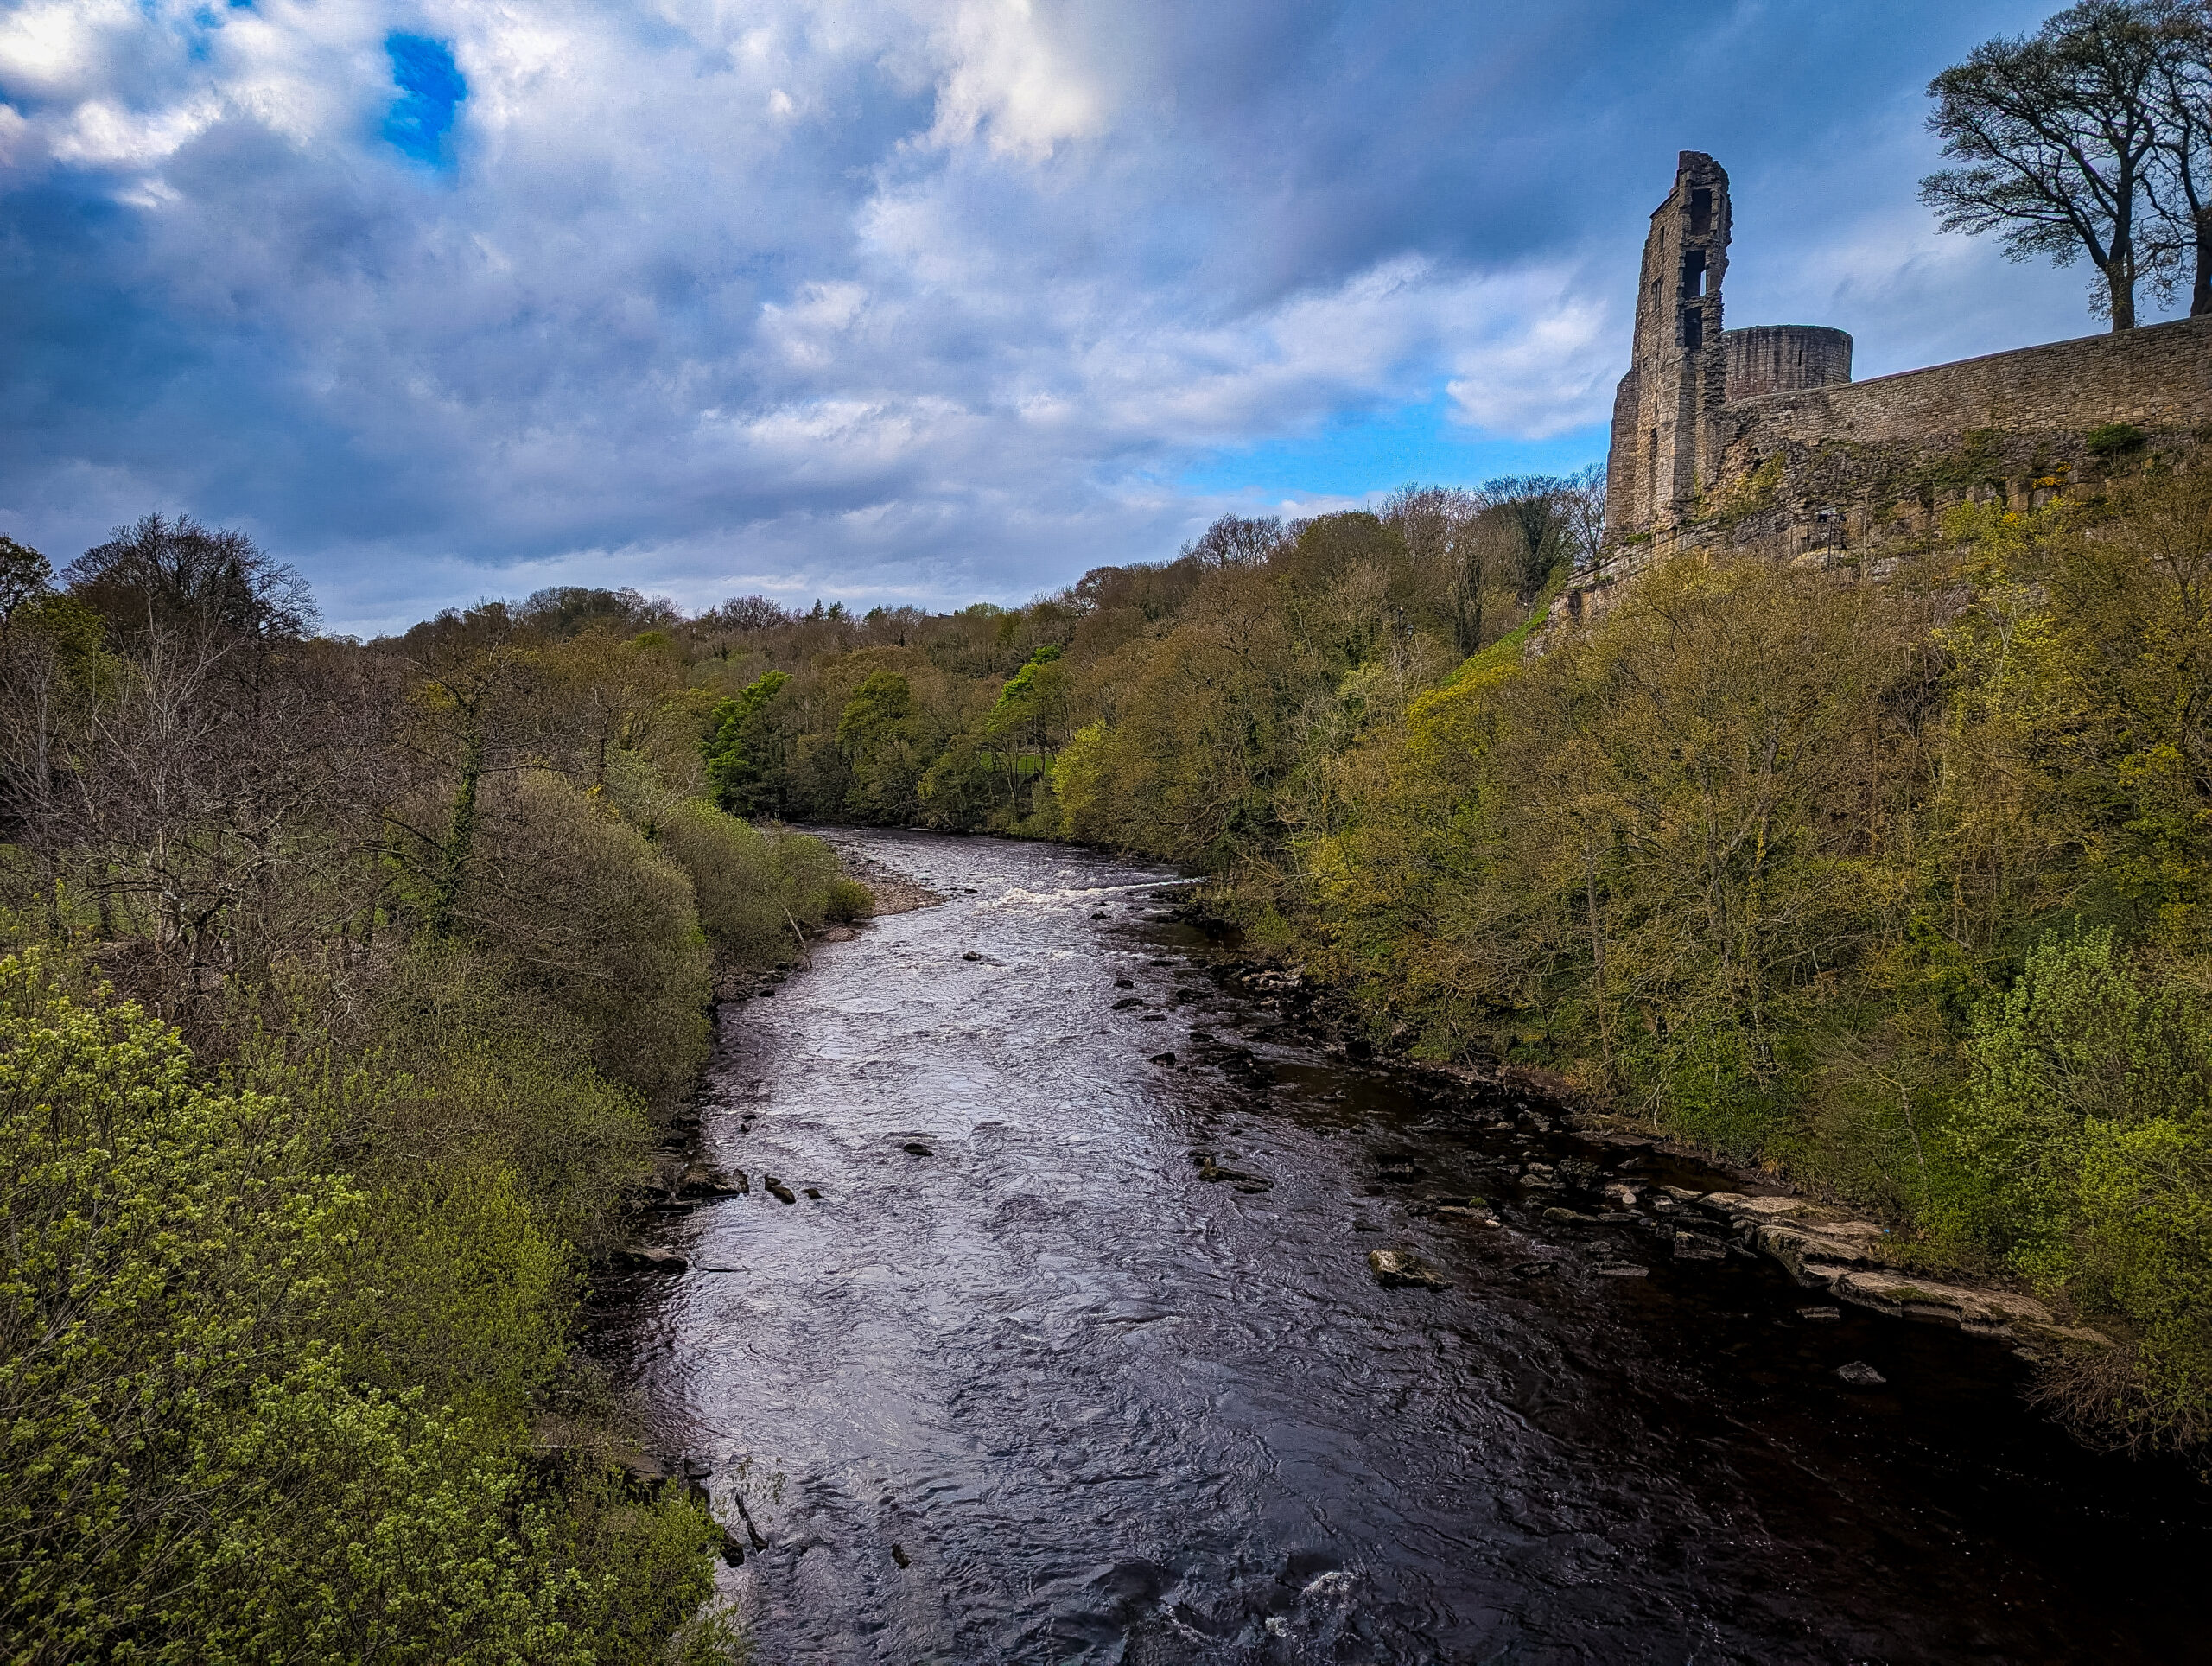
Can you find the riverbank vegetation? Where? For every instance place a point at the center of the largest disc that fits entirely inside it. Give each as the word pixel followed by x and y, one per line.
pixel 351 988
pixel 348 992
pixel 1897 888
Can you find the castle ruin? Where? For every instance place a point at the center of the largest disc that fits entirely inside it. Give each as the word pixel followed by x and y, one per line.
pixel 1758 440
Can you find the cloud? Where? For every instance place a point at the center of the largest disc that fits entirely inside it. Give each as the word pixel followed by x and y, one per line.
pixel 1005 76
pixel 917 298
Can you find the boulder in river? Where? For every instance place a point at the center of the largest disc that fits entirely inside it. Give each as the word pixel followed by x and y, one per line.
pixel 778 1190
pixel 703 1180
pixel 1210 1172
pixel 647 1260
pixel 1402 1268
pixel 916 1148
pixel 1696 1246
pixel 1860 1375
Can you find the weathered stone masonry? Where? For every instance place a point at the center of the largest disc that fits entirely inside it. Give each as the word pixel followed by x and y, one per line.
pixel 1759 439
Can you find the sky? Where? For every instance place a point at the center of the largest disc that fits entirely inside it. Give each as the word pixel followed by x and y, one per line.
pixel 901 301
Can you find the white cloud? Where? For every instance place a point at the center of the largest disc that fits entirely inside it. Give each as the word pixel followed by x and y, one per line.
pixel 1539 355
pixel 1004 77
pixel 926 296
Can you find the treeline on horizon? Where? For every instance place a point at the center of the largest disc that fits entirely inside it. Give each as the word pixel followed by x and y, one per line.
pixel 348 993
pixel 1899 889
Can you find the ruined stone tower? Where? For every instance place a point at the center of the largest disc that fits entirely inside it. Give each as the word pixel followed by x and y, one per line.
pixel 1670 437
pixel 1757 440
pixel 1666 438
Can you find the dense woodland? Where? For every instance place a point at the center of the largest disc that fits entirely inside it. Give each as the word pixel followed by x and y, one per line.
pixel 1898 888
pixel 352 986
pixel 350 991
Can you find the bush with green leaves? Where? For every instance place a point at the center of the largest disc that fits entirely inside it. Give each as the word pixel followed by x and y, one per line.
pixel 251 1410
pixel 576 903
pixel 753 889
pixel 2084 1137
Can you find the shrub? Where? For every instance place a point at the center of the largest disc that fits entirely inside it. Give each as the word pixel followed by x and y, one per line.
pixel 847 899
pixel 584 910
pixel 249 1411
pixel 2087 1128
pixel 187 1471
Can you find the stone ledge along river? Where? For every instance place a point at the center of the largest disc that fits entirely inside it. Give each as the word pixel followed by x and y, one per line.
pixel 1012 1380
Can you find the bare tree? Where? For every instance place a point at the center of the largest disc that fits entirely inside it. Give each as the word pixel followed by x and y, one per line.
pixel 2059 133
pixel 750 614
pixel 1582 508
pixel 177 574
pixel 2181 183
pixel 1237 540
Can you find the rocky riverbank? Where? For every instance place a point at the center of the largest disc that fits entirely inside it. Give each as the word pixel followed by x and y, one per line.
pixel 895 892
pixel 1822 1247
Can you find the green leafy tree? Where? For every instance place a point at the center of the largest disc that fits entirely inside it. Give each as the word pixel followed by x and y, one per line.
pixel 1029 720
pixel 879 733
pixel 736 747
pixel 24 574
pixel 2085 1135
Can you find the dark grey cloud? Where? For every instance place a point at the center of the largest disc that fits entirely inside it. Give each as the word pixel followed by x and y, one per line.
pixel 885 298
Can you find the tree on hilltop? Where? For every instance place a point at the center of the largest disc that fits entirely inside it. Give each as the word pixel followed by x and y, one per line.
pixel 2060 136
pixel 2182 183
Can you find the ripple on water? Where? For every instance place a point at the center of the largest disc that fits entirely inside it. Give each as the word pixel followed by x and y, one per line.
pixel 1107 1409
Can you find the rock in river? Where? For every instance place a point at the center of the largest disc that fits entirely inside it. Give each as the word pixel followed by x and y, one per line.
pixel 1860 1375
pixel 1696 1246
pixel 702 1180
pixel 652 1261
pixel 1396 1268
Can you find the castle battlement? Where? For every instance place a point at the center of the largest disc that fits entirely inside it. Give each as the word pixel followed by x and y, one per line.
pixel 1759 439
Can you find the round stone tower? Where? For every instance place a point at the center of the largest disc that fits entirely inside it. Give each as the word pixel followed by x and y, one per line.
pixel 1784 358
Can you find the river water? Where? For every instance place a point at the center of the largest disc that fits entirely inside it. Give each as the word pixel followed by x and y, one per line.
pixel 1046 1394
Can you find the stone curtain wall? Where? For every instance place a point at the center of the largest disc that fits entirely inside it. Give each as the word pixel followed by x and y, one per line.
pixel 1757 440
pixel 2157 378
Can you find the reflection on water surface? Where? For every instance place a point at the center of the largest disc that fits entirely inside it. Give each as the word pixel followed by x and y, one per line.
pixel 1022 1383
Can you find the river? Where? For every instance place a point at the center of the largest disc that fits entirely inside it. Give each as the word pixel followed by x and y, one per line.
pixel 1019 1384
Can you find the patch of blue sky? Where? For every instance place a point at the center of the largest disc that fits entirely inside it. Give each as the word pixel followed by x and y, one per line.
pixel 431 88
pixel 198 31
pixel 1365 453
